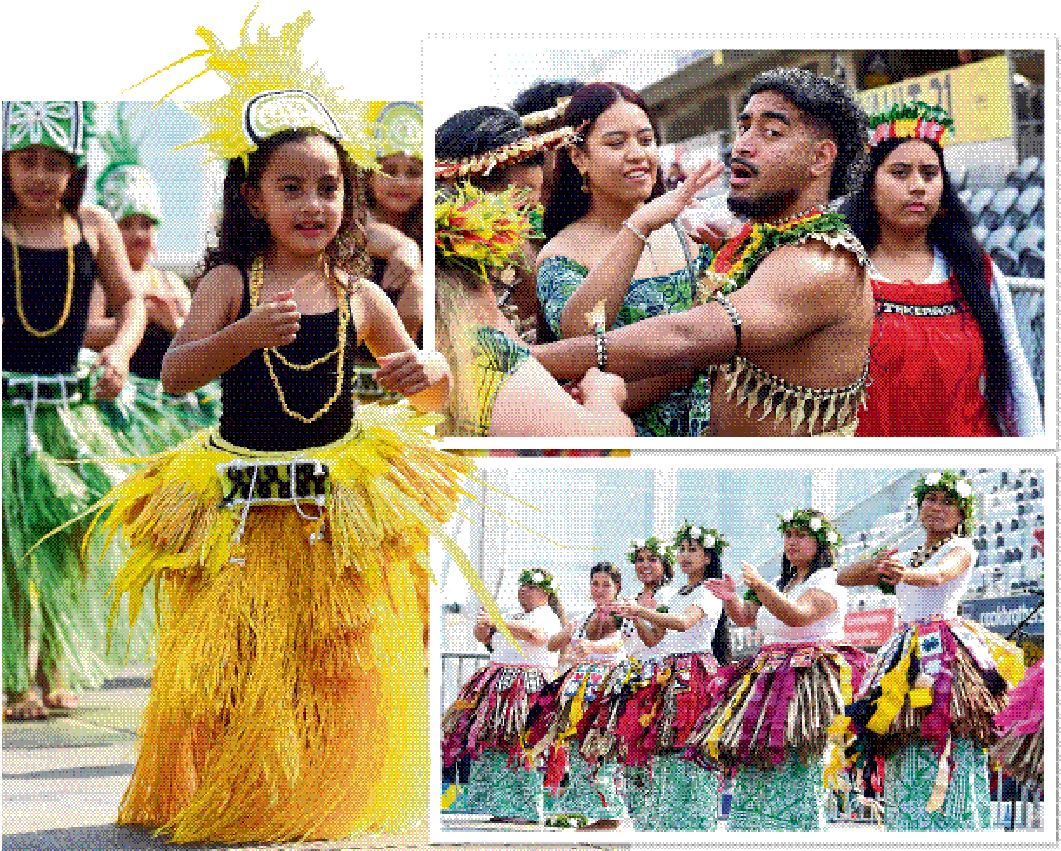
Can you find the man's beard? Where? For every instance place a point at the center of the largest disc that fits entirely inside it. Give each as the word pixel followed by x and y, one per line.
pixel 766 206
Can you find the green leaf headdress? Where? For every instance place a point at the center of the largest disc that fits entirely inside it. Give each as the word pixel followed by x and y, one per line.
pixel 910 120
pixel 709 539
pixel 124 186
pixel 814 523
pixel 954 486
pixel 65 125
pixel 537 578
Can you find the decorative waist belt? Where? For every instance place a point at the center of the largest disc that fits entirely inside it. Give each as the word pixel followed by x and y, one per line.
pixel 298 481
pixel 31 391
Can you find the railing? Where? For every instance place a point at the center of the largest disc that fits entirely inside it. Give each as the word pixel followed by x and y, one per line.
pixel 1029 305
pixel 456 669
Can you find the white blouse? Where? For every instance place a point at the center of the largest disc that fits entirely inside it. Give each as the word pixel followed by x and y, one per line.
pixel 543 618
pixel 613 658
pixel 637 648
pixel 917 603
pixel 829 628
pixel 697 638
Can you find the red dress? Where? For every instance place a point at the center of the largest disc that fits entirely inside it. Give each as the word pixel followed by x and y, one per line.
pixel 926 365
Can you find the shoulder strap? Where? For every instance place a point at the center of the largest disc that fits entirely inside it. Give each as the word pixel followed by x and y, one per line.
pixel 685 250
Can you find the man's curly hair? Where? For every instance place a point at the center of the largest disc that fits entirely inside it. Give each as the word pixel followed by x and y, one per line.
pixel 828 107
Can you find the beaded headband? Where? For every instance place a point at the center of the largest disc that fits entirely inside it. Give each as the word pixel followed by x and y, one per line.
pixel 912 120
pixel 271 90
pixel 65 125
pixel 546 119
pixel 506 155
pixel 815 524
pixel 954 486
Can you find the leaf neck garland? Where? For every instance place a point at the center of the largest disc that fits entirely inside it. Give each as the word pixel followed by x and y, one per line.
pixel 736 261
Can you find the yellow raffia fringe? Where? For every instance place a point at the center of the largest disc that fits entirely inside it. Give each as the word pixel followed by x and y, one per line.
pixel 715 735
pixel 389 487
pixel 894 687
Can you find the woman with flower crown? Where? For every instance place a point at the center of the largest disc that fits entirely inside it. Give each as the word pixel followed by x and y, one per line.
pixel 769 720
pixel 945 356
pixel 485 720
pixel 561 713
pixel 288 544
pixel 498 388
pixel 928 701
pixel 691 637
pixel 654 565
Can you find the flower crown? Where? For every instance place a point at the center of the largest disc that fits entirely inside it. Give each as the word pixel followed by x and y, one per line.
pixel 911 120
pixel 817 525
pixel 653 544
pixel 537 578
pixel 271 90
pixel 709 539
pixel 954 486
pixel 481 230
pixel 503 156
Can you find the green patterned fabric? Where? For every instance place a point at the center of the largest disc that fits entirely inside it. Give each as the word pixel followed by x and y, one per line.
pixel 595 797
pixel 67 609
pixel 637 789
pixel 910 774
pixel 503 792
pixel 684 412
pixel 682 795
pixel 788 797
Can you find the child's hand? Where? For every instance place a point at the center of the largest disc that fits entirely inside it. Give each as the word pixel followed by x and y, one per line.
pixel 114 365
pixel 411 371
pixel 596 385
pixel 274 323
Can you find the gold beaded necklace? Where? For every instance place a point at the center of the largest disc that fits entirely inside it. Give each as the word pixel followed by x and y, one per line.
pixel 257 279
pixel 68 299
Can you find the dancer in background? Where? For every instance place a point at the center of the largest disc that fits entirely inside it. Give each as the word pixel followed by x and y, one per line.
pixel 654 566
pixel 498 389
pixel 928 702
pixel 773 711
pixel 693 638
pixel 945 357
pixel 559 717
pixel 289 696
pixel 1020 749
pixel 485 720
pixel 130 194
pixel 54 247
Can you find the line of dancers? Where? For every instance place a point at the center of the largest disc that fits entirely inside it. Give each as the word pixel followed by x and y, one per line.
pixel 637 712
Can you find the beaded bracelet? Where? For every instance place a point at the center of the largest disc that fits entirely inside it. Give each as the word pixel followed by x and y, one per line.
pixel 734 317
pixel 602 348
pixel 635 231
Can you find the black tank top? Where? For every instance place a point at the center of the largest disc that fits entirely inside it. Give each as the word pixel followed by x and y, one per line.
pixel 147 359
pixel 251 414
pixel 43 274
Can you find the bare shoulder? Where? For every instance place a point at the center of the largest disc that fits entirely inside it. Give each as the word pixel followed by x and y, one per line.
pixel 221 286
pixel 812 266
pixel 569 242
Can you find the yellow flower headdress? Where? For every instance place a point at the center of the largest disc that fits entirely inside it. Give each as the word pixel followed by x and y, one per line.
pixel 481 230
pixel 270 90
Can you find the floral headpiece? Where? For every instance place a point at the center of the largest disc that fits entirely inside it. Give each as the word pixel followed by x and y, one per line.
pixel 398 127
pixel 815 524
pixel 709 539
pixel 481 230
pixel 538 578
pixel 65 125
pixel 506 155
pixel 911 120
pixel 957 488
pixel 124 186
pixel 653 545
pixel 272 90
pixel 545 119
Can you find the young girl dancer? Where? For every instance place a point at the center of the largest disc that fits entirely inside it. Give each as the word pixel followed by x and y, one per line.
pixel 289 697
pixel 53 249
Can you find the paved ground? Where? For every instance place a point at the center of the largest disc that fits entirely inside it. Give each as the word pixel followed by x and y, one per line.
pixel 63 779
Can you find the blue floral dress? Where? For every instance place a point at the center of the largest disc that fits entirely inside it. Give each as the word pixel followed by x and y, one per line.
pixel 683 413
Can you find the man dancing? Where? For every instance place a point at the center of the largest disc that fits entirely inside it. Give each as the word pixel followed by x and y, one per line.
pixel 785 309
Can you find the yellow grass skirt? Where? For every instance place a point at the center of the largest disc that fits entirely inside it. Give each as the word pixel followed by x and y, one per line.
pixel 289 697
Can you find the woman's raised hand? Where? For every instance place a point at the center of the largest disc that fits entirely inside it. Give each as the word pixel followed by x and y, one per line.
pixel 724 588
pixel 667 207
pixel 274 323
pixel 750 576
pixel 625 608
